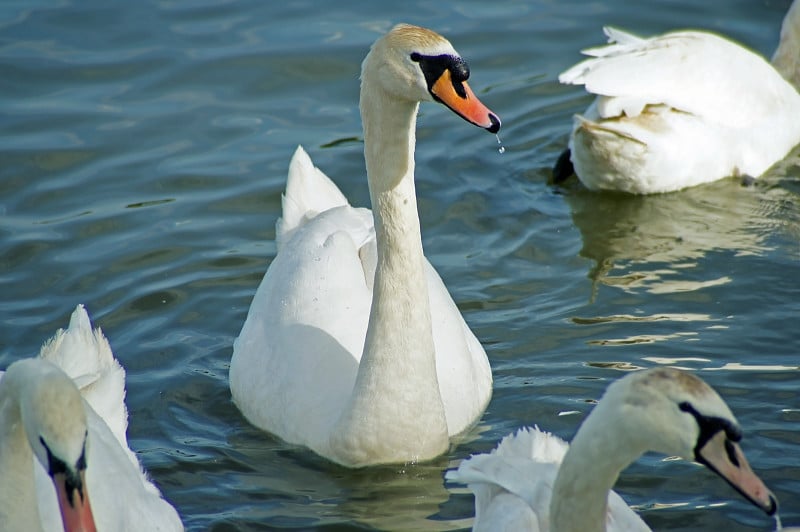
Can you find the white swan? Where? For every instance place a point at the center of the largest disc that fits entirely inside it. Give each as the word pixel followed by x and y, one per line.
pixel 62 424
pixel 535 481
pixel 681 109
pixel 347 281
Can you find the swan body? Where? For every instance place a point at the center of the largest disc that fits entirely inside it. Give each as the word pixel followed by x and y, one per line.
pixel 63 418
pixel 681 109
pixel 352 345
pixel 536 481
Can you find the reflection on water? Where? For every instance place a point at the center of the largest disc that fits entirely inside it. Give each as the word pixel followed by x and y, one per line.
pixel 290 487
pixel 144 152
pixel 648 242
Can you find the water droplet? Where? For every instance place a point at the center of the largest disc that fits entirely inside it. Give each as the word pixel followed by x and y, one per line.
pixel 501 149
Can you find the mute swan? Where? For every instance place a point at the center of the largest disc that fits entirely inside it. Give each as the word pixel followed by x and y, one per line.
pixel 681 109
pixel 536 481
pixel 347 281
pixel 62 424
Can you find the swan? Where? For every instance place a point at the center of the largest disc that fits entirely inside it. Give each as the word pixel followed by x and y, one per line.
pixel 64 456
pixel 682 109
pixel 352 346
pixel 535 481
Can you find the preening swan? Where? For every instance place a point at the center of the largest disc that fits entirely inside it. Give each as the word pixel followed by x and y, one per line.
pixel 681 109
pixel 536 481
pixel 64 457
pixel 352 345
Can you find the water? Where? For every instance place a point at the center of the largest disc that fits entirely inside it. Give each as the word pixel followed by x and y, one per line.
pixel 144 148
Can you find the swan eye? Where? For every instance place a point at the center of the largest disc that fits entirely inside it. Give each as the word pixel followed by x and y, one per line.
pixel 710 425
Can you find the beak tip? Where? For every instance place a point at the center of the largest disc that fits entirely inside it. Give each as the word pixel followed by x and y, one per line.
pixel 772 507
pixel 495 120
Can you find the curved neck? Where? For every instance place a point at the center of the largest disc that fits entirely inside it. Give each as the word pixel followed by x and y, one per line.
pixel 18 510
pixel 786 59
pixel 589 471
pixel 396 393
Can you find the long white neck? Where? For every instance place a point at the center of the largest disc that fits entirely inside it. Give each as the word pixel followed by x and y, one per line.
pixel 589 471
pixel 396 412
pixel 18 508
pixel 786 59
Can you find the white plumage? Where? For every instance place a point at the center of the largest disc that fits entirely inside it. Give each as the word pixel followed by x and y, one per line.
pixel 683 108
pixel 72 396
pixel 352 345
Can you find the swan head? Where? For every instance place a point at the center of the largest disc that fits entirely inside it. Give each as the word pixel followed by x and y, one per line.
pixel 54 419
pixel 416 64
pixel 676 413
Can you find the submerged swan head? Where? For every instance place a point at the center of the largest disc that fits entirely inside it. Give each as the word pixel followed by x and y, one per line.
pixel 416 64
pixel 54 421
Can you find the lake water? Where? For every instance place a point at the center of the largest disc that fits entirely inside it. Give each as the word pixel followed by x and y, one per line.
pixel 144 148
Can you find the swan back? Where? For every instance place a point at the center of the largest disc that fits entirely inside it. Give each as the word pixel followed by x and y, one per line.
pixel 682 108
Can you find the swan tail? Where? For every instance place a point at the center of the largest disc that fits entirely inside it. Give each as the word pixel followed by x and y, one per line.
pixel 533 443
pixel 308 192
pixel 528 445
pixel 86 357
pixel 620 37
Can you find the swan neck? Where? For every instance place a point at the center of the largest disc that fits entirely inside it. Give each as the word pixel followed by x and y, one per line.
pixel 17 489
pixel 400 324
pixel 589 471
pixel 786 59
pixel 395 412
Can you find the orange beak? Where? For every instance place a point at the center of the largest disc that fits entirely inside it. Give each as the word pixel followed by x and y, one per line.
pixel 76 512
pixel 468 106
pixel 726 459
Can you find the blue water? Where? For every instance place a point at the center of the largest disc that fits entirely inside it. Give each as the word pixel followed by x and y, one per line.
pixel 143 151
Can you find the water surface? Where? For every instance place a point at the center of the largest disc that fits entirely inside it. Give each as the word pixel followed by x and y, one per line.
pixel 144 149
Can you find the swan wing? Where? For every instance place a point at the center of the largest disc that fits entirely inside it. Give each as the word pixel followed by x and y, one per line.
pixel 462 368
pixel 691 71
pixel 297 354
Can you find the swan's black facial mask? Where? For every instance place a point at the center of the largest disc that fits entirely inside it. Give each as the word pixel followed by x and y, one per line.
pixel 446 76
pixel 434 66
pixel 72 478
pixel 710 425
